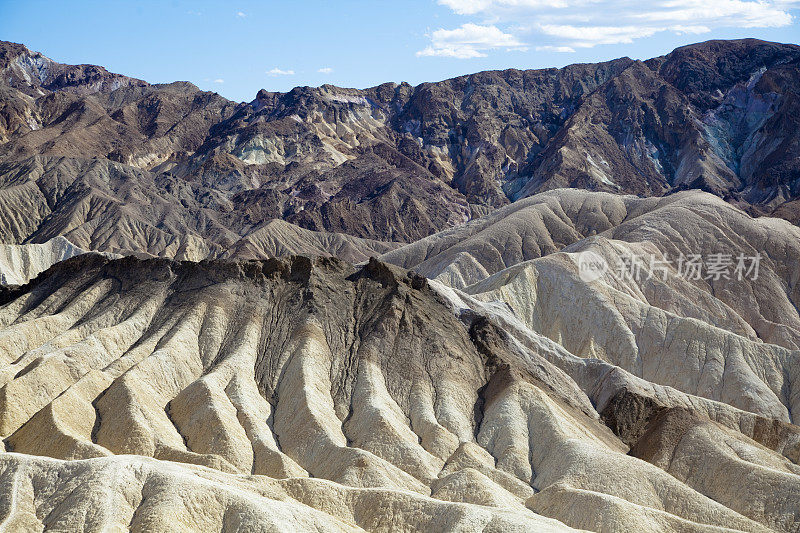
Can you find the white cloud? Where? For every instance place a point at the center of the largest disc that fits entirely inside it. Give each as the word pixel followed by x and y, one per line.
pixel 589 36
pixel 463 52
pixel 747 14
pixel 279 72
pixel 472 7
pixel 681 29
pixel 468 41
pixel 241 14
pixel 325 70
pixel 549 48
pixel 219 80
pixel 564 25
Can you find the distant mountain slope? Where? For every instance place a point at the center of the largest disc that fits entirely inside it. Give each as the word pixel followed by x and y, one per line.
pixel 278 239
pixel 120 164
pixel 549 228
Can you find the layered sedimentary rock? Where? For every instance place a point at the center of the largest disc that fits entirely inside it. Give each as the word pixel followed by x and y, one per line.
pixel 19 263
pixel 363 393
pixel 267 372
pixel 116 164
pixel 733 339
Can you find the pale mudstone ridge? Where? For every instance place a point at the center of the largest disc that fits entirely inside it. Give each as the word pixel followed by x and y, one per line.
pixel 730 340
pixel 277 238
pixel 136 493
pixel 495 389
pixel 307 393
pixel 19 263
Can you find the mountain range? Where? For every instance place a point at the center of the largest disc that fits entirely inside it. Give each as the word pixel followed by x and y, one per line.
pixel 344 310
pixel 116 164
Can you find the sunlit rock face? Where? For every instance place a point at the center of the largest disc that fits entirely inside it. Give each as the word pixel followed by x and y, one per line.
pixel 116 164
pixel 345 310
pixel 310 393
pixel 684 333
pixel 20 263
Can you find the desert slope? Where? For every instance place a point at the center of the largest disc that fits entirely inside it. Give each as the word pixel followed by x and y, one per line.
pixel 118 164
pixel 733 340
pixel 685 223
pixel 309 370
pixel 339 309
pixel 19 263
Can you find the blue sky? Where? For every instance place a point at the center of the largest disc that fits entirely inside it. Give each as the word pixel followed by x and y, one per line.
pixel 236 48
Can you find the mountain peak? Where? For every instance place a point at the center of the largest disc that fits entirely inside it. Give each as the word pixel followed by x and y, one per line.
pixel 396 162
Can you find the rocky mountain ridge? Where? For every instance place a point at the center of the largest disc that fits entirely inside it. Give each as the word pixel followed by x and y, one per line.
pixel 370 310
pixel 174 171
pixel 306 392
